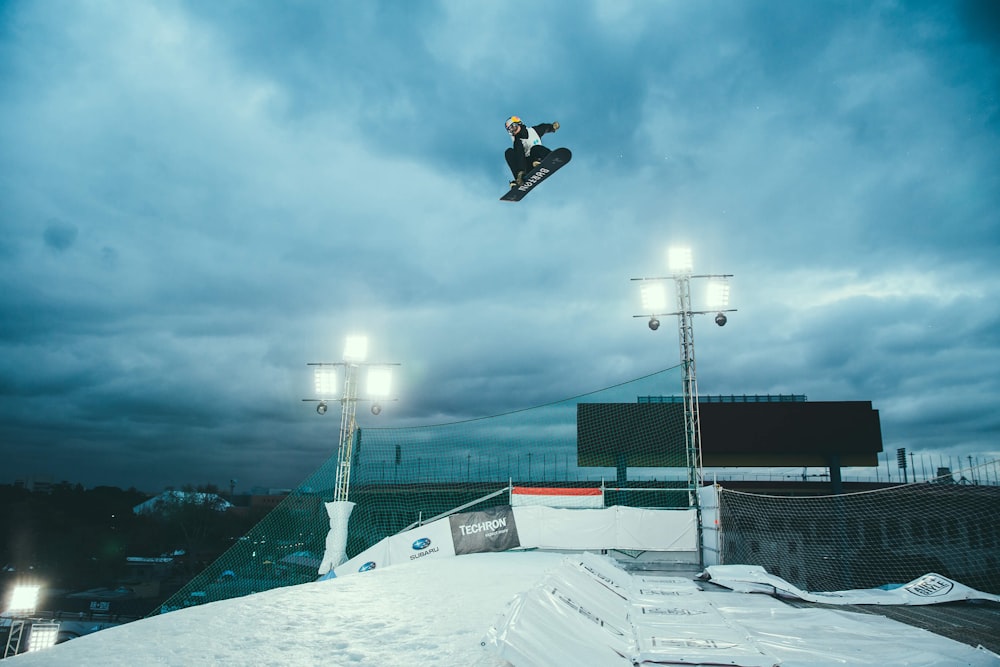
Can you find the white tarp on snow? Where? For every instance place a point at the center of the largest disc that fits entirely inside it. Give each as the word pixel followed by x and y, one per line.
pixel 931 588
pixel 577 615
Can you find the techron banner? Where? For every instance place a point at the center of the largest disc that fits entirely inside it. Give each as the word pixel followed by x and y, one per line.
pixel 490 530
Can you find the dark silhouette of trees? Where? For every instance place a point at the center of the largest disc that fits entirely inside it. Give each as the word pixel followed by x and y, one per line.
pixel 74 538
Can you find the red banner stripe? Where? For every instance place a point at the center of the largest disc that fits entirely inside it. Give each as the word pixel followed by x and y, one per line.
pixel 553 491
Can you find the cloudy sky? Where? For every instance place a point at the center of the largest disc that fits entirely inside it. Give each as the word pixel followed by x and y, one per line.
pixel 197 199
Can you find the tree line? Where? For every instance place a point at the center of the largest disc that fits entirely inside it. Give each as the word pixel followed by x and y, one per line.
pixel 71 538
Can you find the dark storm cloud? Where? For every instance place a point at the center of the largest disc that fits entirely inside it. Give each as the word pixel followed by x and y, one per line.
pixel 199 198
pixel 59 236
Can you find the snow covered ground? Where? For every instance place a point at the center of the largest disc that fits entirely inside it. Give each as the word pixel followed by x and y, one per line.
pixel 439 611
pixel 431 612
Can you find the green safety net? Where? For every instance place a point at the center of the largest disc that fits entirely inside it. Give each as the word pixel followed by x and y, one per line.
pixel 401 477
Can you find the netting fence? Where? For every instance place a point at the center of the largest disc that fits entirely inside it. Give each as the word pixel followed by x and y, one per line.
pixel 404 476
pixel 869 539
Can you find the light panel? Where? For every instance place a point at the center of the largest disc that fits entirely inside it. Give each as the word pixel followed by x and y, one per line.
pixel 718 294
pixel 679 260
pixel 654 297
pixel 24 599
pixel 327 385
pixel 356 348
pixel 379 381
pixel 42 635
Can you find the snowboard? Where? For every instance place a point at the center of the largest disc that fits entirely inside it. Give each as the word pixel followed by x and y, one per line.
pixel 550 165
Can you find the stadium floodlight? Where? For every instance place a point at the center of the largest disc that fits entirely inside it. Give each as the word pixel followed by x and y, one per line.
pixel 22 604
pixel 356 348
pixel 654 297
pixel 679 261
pixel 378 385
pixel 379 381
pixel 718 294
pixel 42 636
pixel 654 301
pixel 327 382
pixel 24 599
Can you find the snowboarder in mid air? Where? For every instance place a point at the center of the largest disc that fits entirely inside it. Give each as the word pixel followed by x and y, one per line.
pixel 527 151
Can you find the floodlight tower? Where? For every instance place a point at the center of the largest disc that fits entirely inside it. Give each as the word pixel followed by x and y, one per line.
pixel 654 301
pixel 327 390
pixel 22 604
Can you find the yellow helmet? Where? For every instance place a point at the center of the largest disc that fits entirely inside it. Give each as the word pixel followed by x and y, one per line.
pixel 512 121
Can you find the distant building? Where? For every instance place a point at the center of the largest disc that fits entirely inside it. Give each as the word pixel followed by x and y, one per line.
pixel 266 502
pixel 172 498
pixel 269 491
pixel 34 484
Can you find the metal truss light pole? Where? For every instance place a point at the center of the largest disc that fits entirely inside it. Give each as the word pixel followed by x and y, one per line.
pixel 654 300
pixel 327 390
pixel 348 426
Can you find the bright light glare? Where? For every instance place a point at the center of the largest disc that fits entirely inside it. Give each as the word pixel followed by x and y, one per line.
pixel 42 635
pixel 379 381
pixel 326 382
pixel 356 348
pixel 24 598
pixel 679 260
pixel 718 294
pixel 654 297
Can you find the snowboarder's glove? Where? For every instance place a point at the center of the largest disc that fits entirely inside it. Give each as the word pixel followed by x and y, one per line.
pixel 555 126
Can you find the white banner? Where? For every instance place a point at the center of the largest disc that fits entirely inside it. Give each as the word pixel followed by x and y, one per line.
pixel 552 528
pixel 543 528
pixel 430 541
pixel 656 530
pixel 370 559
pixel 615 527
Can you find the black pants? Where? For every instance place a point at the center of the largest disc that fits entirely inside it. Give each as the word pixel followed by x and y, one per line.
pixel 518 162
